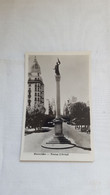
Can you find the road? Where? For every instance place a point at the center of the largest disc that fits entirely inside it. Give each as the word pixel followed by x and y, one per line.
pixel 32 142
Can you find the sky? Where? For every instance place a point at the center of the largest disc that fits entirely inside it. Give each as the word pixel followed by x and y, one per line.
pixel 74 71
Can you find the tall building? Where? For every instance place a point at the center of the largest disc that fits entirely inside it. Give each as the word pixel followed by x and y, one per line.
pixel 35 87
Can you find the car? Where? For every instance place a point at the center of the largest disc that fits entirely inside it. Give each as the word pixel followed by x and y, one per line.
pixel 51 124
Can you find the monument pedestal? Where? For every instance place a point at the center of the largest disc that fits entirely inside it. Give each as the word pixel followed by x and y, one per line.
pixel 58 127
pixel 58 140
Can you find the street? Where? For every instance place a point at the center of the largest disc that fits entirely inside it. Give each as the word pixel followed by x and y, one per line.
pixel 32 142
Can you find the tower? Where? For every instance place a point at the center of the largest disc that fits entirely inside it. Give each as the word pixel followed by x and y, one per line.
pixel 35 87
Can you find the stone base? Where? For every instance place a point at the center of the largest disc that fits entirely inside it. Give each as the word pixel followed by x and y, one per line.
pixel 58 142
pixel 58 126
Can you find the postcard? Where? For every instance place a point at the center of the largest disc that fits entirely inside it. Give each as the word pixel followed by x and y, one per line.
pixel 57 108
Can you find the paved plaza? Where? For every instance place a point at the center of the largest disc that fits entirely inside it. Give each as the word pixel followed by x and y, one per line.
pixel 34 140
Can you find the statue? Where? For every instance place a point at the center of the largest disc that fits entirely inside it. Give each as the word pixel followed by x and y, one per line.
pixel 57 67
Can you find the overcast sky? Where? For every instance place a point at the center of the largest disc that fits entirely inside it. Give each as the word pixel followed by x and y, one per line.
pixel 74 70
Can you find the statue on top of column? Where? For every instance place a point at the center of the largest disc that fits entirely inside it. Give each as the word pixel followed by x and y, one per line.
pixel 57 67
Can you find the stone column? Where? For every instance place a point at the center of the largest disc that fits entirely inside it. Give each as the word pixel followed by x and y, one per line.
pixel 58 96
pixel 58 120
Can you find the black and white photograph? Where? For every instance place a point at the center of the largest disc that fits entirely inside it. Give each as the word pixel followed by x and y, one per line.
pixel 57 107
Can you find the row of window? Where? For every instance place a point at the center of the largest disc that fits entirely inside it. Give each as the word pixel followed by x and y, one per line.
pixel 37 84
pixel 36 98
pixel 36 95
pixel 34 79
pixel 29 91
pixel 36 88
pixel 29 102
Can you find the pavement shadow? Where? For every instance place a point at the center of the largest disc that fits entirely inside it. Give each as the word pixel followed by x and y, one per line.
pixel 38 131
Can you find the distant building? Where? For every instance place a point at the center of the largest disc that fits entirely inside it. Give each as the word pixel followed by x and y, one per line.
pixel 68 104
pixel 35 98
pixel 74 99
pixel 88 104
pixel 65 110
pixel 50 106
pixel 53 106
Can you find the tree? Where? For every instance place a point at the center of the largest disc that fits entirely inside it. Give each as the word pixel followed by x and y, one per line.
pixel 80 113
pixel 50 109
pixel 28 122
pixel 87 116
pixel 36 118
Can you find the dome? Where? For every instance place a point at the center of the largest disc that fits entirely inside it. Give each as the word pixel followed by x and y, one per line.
pixel 35 67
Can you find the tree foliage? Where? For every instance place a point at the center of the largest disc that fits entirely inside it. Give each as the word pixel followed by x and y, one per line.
pixel 50 110
pixel 80 113
pixel 36 118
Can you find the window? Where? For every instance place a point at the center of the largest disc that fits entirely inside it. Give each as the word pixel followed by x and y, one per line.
pixel 35 87
pixel 29 96
pixel 29 102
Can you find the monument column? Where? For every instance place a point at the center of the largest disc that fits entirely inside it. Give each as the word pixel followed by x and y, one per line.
pixel 58 96
pixel 58 120
pixel 58 140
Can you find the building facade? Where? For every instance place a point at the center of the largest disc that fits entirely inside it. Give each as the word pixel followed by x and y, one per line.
pixel 67 105
pixel 74 99
pixel 35 99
